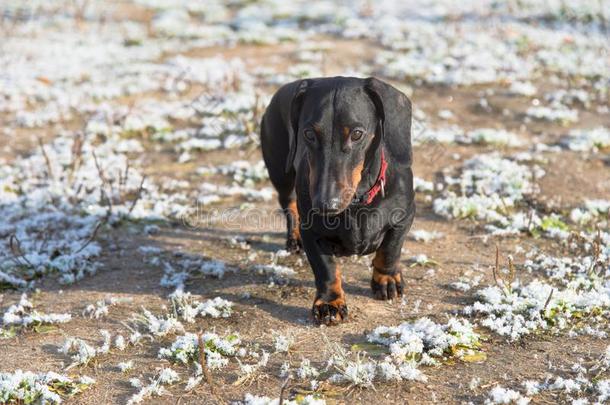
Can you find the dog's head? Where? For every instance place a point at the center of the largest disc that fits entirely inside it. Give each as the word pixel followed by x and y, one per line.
pixel 340 121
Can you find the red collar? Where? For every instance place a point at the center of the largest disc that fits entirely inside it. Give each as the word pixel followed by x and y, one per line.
pixel 379 185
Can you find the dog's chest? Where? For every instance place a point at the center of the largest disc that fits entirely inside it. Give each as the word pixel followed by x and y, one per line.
pixel 358 233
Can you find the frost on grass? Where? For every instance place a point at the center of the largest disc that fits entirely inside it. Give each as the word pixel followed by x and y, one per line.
pixel 501 395
pixel 557 112
pixel 23 315
pixel 422 185
pixel 591 211
pixel 28 388
pixel 56 201
pixel 521 310
pixel 282 343
pixel 586 268
pixel 241 172
pixel 176 273
pixel 583 383
pixel 83 353
pixel 489 188
pixel 155 388
pixel 125 366
pixel 465 283
pixel 422 235
pixel 157 326
pixel 491 136
pixel 100 308
pixel 587 140
pixel 479 136
pixel 187 308
pixel 409 346
pixel 275 272
pixel 424 340
pixel 250 399
pixel 575 296
pixel 185 349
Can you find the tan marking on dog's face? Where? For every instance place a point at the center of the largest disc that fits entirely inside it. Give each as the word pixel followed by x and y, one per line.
pixel 356 176
pixel 346 132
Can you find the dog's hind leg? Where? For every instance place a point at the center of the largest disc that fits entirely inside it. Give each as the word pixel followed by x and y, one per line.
pixel 275 148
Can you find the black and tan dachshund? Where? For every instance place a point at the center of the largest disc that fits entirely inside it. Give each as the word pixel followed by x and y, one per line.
pixel 338 151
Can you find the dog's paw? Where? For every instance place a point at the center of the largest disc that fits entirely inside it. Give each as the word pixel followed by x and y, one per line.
pixel 294 245
pixel 386 286
pixel 329 312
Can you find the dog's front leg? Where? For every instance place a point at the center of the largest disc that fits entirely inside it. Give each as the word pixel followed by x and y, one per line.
pixel 387 281
pixel 329 305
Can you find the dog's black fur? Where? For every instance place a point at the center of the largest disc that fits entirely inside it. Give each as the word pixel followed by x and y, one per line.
pixel 322 142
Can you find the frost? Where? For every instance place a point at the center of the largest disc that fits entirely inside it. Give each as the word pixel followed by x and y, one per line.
pixel 100 308
pixel 24 315
pixel 488 187
pixel 557 112
pixel 491 136
pixel 250 399
pixel 166 376
pixel 422 185
pixel 27 387
pixel 526 309
pixel 125 366
pixel 306 370
pixel 500 395
pixel 409 341
pixel 282 343
pixel 275 272
pixel 187 308
pixel 587 140
pixel 157 326
pixel 421 235
pixel 241 172
pixel 592 210
pixel 81 352
pixel 185 349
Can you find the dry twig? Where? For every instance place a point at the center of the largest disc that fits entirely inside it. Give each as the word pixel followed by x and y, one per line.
pixel 46 157
pixel 203 363
pixel 15 246
pixel 91 237
pixel 140 189
pixel 283 389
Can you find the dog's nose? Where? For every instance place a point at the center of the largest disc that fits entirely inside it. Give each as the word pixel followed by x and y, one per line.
pixel 330 206
pixel 333 204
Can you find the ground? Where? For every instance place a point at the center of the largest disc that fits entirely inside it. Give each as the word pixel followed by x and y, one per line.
pixel 264 306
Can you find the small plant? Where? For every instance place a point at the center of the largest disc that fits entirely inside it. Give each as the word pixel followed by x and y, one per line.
pixel 502 279
pixel 25 387
pixel 185 349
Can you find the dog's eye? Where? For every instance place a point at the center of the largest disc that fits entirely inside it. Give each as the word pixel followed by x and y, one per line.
pixel 357 134
pixel 309 135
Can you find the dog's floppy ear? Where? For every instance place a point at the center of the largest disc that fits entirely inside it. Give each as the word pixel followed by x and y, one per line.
pixel 394 113
pixel 293 126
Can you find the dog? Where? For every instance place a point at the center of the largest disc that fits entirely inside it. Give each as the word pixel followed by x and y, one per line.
pixel 338 152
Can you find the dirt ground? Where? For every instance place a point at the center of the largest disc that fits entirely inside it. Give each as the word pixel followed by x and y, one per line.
pixel 262 308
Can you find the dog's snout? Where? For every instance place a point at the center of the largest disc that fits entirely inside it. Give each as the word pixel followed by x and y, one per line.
pixel 333 205
pixel 330 206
